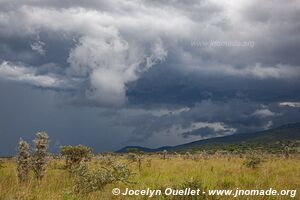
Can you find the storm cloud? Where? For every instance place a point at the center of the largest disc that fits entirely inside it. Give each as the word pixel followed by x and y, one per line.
pixel 163 72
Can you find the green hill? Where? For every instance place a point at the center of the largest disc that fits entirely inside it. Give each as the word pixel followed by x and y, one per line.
pixel 273 140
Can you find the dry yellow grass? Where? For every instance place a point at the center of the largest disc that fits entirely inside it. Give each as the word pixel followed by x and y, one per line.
pixel 217 172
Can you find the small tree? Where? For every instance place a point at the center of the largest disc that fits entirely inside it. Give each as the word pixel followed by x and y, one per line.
pixel 39 157
pixel 135 155
pixel 23 161
pixel 75 154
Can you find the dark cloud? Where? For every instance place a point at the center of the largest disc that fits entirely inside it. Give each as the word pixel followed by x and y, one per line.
pixel 147 72
pixel 164 85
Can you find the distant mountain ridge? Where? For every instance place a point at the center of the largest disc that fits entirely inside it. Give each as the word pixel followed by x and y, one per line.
pixel 283 133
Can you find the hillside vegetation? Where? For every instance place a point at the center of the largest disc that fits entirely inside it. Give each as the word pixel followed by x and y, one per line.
pixel 274 140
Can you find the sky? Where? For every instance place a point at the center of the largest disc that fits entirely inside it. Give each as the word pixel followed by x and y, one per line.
pixel 108 74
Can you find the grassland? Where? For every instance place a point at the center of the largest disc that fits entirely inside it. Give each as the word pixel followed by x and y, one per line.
pixel 210 172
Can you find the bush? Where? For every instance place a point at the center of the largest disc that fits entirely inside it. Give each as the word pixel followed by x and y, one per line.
pixel 87 181
pixel 75 154
pixel 1 164
pixel 39 157
pixel 23 161
pixel 252 161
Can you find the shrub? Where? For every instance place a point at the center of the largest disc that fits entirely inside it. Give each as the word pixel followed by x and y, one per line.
pixel 1 164
pixel 23 161
pixel 39 157
pixel 75 154
pixel 87 181
pixel 252 161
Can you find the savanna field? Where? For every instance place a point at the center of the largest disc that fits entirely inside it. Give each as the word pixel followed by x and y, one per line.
pixel 154 171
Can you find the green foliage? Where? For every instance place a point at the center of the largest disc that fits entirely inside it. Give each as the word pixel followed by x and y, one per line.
pixel 252 161
pixel 75 154
pixel 134 150
pixel 87 181
pixel 284 147
pixel 23 161
pixel 270 141
pixel 39 157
